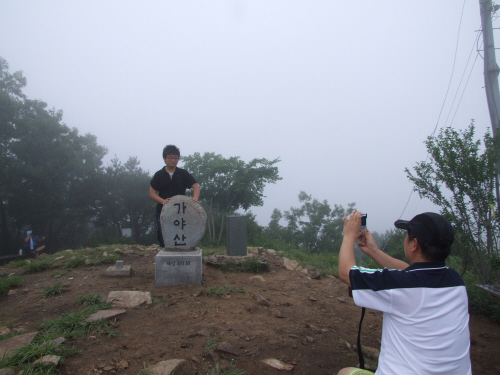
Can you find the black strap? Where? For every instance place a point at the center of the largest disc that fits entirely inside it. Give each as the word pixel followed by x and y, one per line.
pixel 360 351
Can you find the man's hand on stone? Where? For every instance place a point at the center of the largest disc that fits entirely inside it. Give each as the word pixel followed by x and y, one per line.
pixel 194 199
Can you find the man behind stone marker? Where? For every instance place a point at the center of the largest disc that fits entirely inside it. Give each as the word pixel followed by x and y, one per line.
pixel 170 181
pixel 426 320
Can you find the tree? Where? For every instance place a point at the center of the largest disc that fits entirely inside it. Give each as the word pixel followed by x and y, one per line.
pixel 229 184
pixel 122 202
pixel 460 179
pixel 315 226
pixel 45 169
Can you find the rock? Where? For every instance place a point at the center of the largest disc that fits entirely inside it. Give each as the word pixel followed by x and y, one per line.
pixel 4 330
pixel 252 250
pixel 315 275
pixel 123 364
pixel 108 368
pixel 271 252
pixel 10 345
pixel 104 314
pixel 12 292
pixel 277 314
pixel 88 261
pixel 259 277
pixel 341 299
pixel 48 360
pixel 261 300
pixel 126 299
pixel 277 364
pixel 59 258
pixel 290 265
pixel 7 371
pixel 316 329
pixel 227 348
pixel 167 367
pixel 312 299
pixel 105 254
pixel 119 251
pixel 196 359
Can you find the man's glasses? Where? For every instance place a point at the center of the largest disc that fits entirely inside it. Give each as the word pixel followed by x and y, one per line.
pixel 172 157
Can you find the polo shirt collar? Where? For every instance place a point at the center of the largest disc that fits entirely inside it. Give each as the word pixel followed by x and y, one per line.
pixel 421 265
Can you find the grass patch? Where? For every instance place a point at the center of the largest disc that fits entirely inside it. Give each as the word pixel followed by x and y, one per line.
pixel 220 291
pixel 53 290
pixel 75 261
pixel 38 265
pixel 157 299
pixel 89 299
pixel 253 265
pixel 24 357
pixel 228 371
pixel 8 283
pixel 211 344
pixel 16 264
pixel 58 273
pixel 73 325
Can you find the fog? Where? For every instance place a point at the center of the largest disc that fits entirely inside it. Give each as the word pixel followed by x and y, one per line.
pixel 344 93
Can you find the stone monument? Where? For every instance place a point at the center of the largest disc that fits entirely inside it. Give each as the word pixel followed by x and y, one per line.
pixel 183 225
pixel 236 236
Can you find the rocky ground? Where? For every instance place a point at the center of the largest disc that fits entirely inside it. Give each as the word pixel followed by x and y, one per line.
pixel 308 324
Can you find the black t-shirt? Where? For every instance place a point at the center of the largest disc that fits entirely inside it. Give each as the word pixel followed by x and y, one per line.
pixel 168 187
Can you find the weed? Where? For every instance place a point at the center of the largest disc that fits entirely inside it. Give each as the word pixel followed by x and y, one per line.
pixel 89 299
pixel 227 371
pixel 58 273
pixel 16 264
pixel 220 291
pixel 211 344
pixel 10 282
pixel 217 291
pixel 253 265
pixel 76 261
pixel 157 299
pixel 74 324
pixel 145 370
pixel 51 291
pixel 38 265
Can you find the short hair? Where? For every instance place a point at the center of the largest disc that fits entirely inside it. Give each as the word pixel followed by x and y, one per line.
pixel 432 253
pixel 171 150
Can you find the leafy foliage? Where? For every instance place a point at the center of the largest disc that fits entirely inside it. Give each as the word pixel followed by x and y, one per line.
pixel 460 178
pixel 229 184
pixel 314 226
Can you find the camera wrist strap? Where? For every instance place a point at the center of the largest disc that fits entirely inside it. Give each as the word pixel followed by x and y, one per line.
pixel 360 351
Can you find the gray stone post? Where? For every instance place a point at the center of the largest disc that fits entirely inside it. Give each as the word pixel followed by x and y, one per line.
pixel 236 232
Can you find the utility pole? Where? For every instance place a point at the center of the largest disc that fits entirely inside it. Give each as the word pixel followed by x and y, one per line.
pixel 491 71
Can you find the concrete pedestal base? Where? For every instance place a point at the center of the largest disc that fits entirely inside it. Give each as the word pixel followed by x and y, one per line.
pixel 178 268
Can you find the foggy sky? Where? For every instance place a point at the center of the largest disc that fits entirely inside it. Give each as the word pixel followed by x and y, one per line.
pixel 344 93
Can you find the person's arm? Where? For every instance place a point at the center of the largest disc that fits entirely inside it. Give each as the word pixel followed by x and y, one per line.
pixel 368 245
pixel 352 230
pixel 196 192
pixel 27 238
pixel 154 196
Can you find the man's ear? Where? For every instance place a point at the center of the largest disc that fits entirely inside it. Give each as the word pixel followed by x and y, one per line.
pixel 415 246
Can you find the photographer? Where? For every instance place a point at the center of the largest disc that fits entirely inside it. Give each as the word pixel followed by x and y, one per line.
pixel 426 321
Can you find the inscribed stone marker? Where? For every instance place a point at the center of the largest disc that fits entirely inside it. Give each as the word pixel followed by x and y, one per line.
pixel 182 223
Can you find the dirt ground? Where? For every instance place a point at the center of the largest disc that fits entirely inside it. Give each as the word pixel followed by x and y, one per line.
pixel 167 329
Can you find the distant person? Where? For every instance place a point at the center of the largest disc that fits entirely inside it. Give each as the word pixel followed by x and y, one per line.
pixel 170 181
pixel 33 243
pixel 426 320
